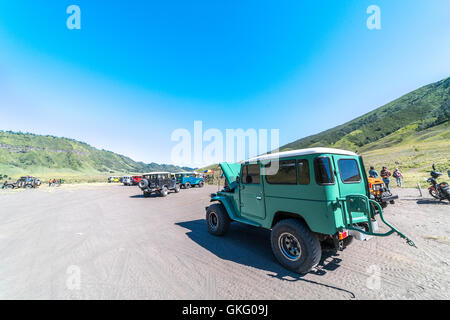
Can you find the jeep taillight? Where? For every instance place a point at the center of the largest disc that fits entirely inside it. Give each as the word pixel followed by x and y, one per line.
pixel 343 235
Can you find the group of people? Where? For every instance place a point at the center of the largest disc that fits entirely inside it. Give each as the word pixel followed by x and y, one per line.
pixel 53 182
pixel 385 175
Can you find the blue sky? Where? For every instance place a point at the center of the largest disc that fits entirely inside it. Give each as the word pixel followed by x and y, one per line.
pixel 137 70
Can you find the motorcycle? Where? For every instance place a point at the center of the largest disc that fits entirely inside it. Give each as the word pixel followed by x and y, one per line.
pixel 440 191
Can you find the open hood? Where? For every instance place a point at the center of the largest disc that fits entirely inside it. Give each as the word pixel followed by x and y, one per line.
pixel 230 171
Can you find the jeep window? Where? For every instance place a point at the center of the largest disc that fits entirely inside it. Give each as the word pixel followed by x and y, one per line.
pixel 323 171
pixel 303 171
pixel 349 171
pixel 287 173
pixel 251 174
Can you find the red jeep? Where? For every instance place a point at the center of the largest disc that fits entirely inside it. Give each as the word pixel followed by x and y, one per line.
pixel 136 179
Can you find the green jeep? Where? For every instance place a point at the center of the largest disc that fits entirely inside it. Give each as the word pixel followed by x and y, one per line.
pixel 312 196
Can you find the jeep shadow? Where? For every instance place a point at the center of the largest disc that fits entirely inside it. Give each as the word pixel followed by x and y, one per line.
pixel 250 246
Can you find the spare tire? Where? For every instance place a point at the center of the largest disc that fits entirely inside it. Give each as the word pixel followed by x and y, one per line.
pixel 143 184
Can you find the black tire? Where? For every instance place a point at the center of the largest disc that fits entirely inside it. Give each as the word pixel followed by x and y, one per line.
pixel 295 246
pixel 383 205
pixel 143 183
pixel 392 201
pixel 187 185
pixel 177 188
pixel 28 186
pixel 163 192
pixel 217 219
pixel 201 184
pixel 434 194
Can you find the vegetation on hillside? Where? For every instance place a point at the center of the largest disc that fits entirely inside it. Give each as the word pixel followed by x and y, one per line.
pixel 26 153
pixel 427 107
pixel 411 133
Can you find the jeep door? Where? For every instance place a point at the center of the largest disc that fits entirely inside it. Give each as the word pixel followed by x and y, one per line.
pixel 351 180
pixel 251 192
pixel 349 175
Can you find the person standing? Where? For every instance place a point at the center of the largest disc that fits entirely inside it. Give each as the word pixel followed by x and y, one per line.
pixel 373 173
pixel 398 177
pixel 386 176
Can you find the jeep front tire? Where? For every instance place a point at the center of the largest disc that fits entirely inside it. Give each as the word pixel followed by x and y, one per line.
pixel 217 219
pixel 295 246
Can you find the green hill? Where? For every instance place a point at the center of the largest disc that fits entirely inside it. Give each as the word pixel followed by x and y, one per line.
pixel 427 107
pixel 49 156
pixel 411 132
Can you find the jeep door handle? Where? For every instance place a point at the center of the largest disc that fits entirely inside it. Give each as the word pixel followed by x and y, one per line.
pixel 258 198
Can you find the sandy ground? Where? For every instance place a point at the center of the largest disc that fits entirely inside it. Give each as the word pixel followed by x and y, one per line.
pixel 105 241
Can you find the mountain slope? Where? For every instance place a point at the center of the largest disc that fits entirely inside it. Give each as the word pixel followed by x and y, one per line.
pixel 26 153
pixel 411 133
pixel 427 107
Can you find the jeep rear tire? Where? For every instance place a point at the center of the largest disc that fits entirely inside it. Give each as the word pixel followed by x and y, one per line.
pixel 187 185
pixel 163 192
pixel 201 184
pixel 177 188
pixel 217 219
pixel 295 246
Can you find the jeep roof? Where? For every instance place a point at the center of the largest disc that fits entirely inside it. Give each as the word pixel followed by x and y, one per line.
pixel 301 152
pixel 156 172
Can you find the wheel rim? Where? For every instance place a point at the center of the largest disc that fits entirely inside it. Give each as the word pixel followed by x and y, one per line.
pixel 213 220
pixel 289 246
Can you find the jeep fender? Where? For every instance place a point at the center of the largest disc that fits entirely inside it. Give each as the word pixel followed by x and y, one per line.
pixel 224 201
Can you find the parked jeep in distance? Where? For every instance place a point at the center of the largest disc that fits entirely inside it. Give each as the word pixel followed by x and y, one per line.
pixel 306 197
pixel 158 182
pixel 189 179
pixel 113 179
pixel 127 181
pixel 136 179
pixel 27 182
pixel 380 193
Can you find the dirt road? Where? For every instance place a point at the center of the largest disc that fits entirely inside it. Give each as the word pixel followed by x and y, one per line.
pixel 108 242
